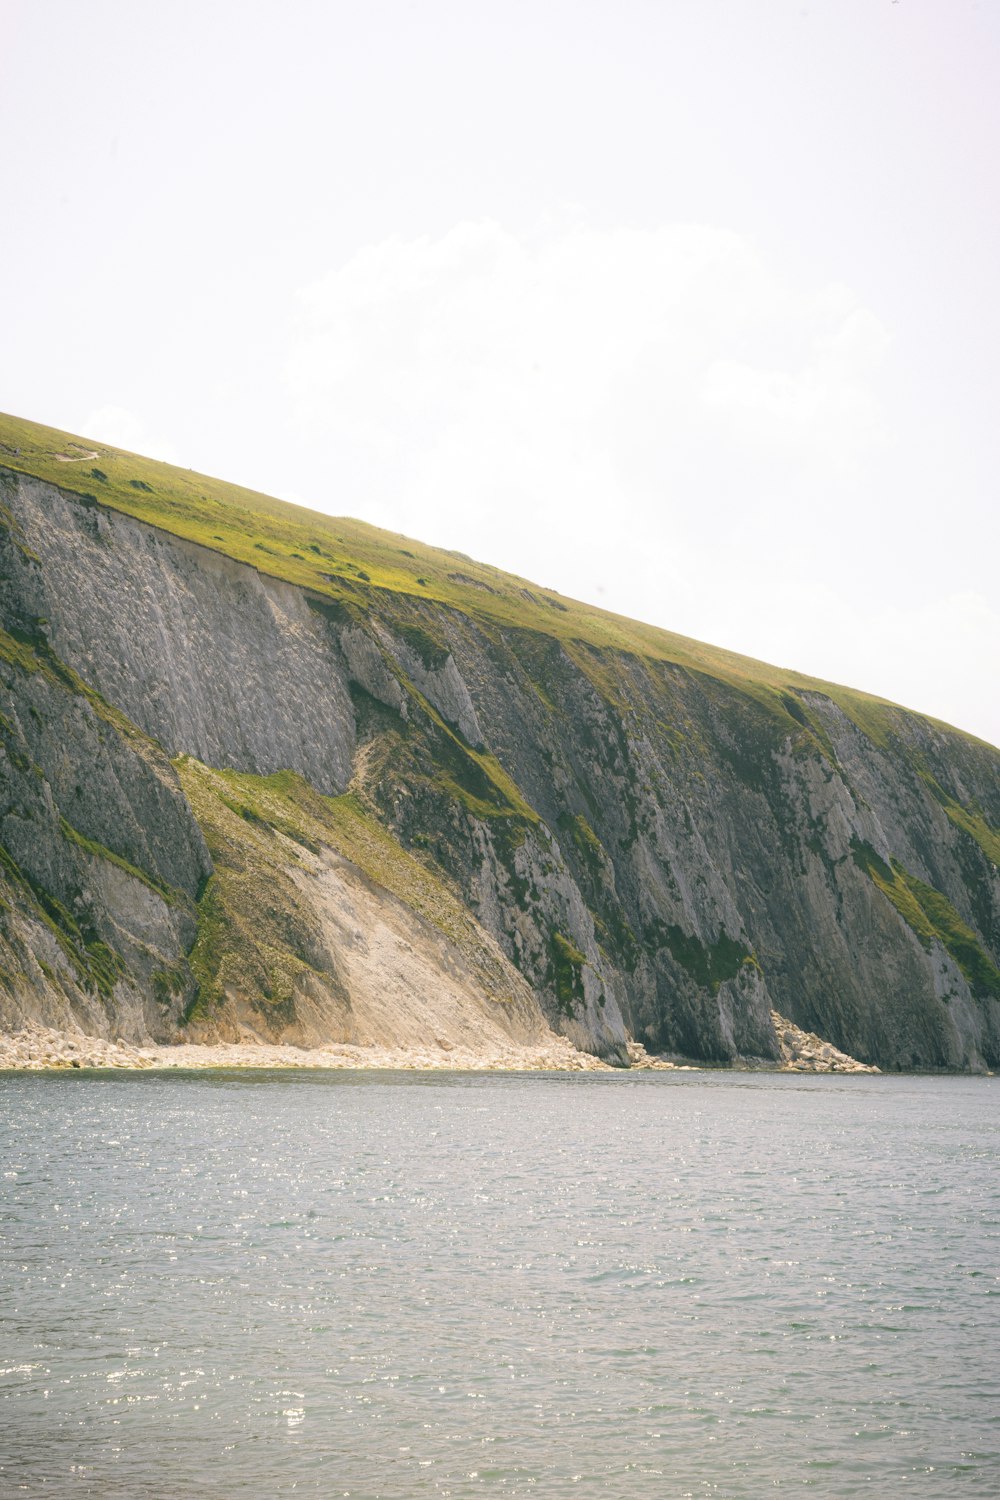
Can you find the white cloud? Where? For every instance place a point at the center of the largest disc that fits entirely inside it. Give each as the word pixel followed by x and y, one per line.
pixel 654 420
pixel 824 403
pixel 480 378
pixel 938 656
pixel 121 428
pixel 944 655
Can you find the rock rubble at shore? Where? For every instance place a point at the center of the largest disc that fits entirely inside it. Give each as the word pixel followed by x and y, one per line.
pixel 805 1052
pixel 436 1055
pixel 38 1048
pixel 639 1058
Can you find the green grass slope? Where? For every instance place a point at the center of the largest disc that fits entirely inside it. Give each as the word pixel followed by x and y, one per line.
pixel 353 563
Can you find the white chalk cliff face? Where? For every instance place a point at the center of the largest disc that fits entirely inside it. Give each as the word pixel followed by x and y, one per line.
pixel 226 800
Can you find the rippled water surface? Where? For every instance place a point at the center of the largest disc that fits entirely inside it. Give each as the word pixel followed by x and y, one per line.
pixel 540 1285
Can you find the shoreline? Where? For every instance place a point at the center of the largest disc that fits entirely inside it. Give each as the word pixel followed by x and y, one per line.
pixel 38 1049
pixel 43 1049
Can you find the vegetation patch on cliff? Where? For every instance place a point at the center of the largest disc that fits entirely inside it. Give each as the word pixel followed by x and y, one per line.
pixel 585 841
pixel 473 777
pixel 29 651
pixel 565 973
pixel 932 917
pixel 166 893
pixel 95 965
pixel 254 938
pixel 710 965
pixel 253 944
pixel 610 923
pixel 970 819
pixel 431 652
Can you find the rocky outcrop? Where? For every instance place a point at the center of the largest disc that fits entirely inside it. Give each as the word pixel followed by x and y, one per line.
pixel 650 852
pixel 36 1048
pixel 206 655
pixel 805 1052
pixel 101 859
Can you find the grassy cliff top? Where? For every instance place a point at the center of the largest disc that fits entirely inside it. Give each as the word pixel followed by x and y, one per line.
pixel 350 561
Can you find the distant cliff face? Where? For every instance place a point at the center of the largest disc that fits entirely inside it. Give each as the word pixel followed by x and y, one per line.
pixel 621 844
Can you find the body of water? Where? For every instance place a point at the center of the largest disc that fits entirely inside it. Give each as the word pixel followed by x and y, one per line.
pixel 407 1285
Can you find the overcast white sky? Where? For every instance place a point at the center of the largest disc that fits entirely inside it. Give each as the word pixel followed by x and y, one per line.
pixel 685 307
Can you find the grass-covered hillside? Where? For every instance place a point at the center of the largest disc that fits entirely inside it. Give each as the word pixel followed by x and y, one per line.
pixel 348 561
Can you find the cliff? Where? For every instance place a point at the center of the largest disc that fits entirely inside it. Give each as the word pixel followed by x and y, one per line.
pixel 268 772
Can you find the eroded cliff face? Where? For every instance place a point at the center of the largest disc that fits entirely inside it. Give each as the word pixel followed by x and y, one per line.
pixel 621 845
pixel 101 860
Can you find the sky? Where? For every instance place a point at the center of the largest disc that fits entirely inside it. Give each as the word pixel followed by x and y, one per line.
pixel 687 308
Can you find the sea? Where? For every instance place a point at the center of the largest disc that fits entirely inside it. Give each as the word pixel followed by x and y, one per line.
pixel 399 1285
